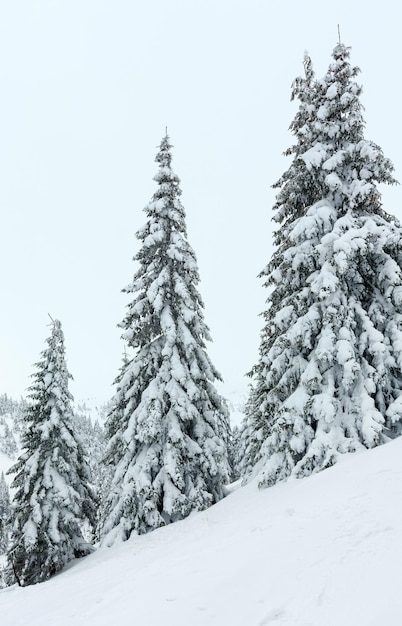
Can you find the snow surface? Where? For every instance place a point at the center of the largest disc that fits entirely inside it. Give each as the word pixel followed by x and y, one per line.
pixel 325 550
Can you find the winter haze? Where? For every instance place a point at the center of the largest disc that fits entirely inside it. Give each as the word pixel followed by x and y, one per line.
pixel 88 89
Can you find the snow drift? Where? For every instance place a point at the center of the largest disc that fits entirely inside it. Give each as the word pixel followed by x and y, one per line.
pixel 323 550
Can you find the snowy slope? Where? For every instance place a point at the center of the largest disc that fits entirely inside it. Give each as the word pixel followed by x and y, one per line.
pixel 324 551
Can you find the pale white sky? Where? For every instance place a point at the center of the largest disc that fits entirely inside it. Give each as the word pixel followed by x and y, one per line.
pixel 87 88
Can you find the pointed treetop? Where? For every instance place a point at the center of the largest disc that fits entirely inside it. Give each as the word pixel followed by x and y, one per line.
pixel 164 157
pixel 56 324
pixel 339 34
pixel 341 52
pixel 308 67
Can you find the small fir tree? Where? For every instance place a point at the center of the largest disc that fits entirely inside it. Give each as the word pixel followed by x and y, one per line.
pixel 52 480
pixel 5 510
pixel 234 451
pixel 168 426
pixel 329 376
pixel 8 444
pixel 252 429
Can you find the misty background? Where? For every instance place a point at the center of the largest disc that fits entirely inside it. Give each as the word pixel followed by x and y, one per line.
pixel 87 90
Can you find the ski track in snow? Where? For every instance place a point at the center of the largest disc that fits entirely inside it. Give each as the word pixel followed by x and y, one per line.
pixel 323 551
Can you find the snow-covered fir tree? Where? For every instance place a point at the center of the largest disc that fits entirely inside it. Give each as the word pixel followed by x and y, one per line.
pixel 168 426
pixel 93 438
pixel 252 429
pixel 94 442
pixel 5 511
pixel 11 423
pixel 52 480
pixel 234 451
pixel 329 376
pixel 299 188
pixel 8 444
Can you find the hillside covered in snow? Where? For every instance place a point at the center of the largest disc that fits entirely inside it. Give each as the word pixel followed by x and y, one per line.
pixel 325 550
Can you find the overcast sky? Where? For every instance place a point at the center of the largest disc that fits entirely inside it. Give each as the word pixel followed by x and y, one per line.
pixel 87 89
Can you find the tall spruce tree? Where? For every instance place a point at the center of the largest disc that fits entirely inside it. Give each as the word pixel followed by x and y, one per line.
pixel 298 189
pixel 329 376
pixel 168 427
pixel 52 480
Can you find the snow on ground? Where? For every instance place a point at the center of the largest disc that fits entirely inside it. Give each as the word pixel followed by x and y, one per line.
pixel 323 551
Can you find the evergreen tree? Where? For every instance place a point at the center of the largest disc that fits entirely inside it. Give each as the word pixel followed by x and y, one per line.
pixel 52 480
pixel 103 476
pixel 329 378
pixel 299 187
pixel 252 429
pixel 8 445
pixel 5 510
pixel 94 442
pixel 12 413
pixel 234 451
pixel 168 426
